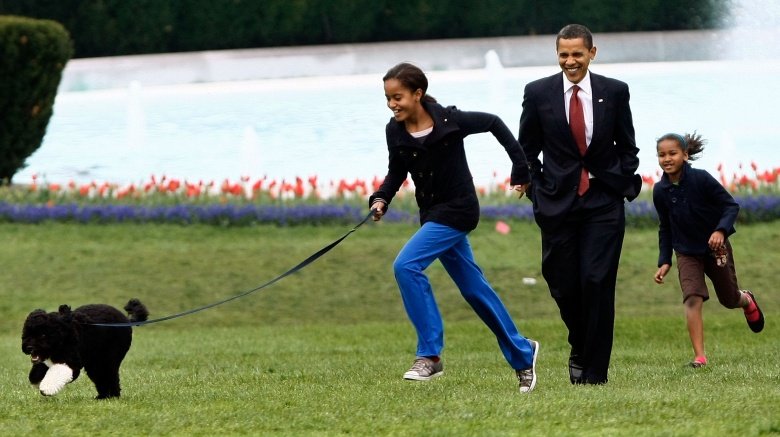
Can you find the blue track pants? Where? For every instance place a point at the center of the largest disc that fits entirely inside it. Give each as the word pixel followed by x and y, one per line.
pixel 452 248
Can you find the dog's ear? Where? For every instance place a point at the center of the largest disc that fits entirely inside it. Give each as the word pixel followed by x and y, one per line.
pixel 36 317
pixel 65 312
pixel 37 312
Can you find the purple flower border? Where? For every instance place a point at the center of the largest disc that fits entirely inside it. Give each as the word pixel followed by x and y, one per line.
pixel 638 213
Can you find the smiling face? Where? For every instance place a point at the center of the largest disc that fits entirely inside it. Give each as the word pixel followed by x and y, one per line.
pixel 671 158
pixel 574 58
pixel 404 102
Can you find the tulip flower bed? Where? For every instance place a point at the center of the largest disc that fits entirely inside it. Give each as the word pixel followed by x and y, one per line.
pixel 262 201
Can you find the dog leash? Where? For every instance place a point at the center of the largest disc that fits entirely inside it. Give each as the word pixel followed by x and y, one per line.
pixel 298 267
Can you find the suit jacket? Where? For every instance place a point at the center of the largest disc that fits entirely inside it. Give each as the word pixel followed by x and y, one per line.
pixel 611 156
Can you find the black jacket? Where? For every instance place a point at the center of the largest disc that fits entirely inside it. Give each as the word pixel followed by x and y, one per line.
pixel 444 188
pixel 689 212
pixel 612 156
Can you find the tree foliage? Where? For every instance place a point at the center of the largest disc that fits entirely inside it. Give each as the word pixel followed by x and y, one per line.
pixel 122 27
pixel 34 53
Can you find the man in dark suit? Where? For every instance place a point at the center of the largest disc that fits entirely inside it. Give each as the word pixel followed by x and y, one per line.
pixel 578 189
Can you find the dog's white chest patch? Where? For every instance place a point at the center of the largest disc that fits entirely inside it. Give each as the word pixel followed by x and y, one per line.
pixel 55 379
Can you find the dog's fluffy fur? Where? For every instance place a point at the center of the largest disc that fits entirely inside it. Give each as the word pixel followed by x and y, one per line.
pixel 67 337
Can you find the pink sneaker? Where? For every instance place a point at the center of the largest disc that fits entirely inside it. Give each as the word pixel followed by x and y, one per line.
pixel 698 362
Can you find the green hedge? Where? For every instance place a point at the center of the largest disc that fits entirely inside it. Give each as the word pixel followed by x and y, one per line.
pixel 33 53
pixel 121 27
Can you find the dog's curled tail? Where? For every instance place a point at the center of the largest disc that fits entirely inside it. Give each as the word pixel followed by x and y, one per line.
pixel 136 311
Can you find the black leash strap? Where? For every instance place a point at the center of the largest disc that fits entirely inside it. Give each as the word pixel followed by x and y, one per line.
pixel 298 267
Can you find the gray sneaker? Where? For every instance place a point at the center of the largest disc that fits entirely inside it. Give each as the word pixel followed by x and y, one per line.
pixel 424 369
pixel 527 377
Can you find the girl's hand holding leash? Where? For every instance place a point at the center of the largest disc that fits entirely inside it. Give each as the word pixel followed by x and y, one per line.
pixel 378 208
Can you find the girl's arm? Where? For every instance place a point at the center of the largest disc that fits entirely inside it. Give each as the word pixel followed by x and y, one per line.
pixel 664 229
pixel 718 195
pixel 664 237
pixel 396 175
pixel 382 197
pixel 478 122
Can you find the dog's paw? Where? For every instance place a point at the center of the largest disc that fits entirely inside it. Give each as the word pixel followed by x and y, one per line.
pixel 37 372
pixel 56 378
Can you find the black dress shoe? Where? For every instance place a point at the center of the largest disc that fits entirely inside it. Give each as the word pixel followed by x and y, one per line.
pixel 594 381
pixel 591 378
pixel 576 370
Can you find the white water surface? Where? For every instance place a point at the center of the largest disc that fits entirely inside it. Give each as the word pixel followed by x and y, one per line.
pixel 333 127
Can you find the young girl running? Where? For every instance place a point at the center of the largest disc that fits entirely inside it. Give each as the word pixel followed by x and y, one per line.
pixel 696 217
pixel 425 139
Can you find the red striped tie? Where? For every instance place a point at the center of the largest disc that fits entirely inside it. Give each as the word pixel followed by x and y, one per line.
pixel 577 126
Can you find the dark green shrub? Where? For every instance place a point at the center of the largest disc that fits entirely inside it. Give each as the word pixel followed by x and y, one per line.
pixel 34 53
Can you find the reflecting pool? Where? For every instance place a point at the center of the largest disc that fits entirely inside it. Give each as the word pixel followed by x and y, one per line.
pixel 333 127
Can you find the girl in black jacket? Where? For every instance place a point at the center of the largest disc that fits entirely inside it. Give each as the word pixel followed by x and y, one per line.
pixel 425 139
pixel 696 216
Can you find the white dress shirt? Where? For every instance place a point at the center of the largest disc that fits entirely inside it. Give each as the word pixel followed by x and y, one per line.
pixel 586 97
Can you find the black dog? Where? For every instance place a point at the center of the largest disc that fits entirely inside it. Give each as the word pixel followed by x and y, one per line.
pixel 69 338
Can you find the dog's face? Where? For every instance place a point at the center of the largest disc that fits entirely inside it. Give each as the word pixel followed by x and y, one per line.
pixel 49 335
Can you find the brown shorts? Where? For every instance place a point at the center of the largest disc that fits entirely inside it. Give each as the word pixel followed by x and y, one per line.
pixel 692 270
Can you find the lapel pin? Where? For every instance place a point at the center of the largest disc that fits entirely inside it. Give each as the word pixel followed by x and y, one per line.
pixel 601 100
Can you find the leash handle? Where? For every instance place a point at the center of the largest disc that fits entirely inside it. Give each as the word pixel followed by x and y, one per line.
pixel 313 257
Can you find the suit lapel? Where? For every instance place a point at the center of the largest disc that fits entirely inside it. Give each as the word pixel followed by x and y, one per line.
pixel 599 106
pixel 559 107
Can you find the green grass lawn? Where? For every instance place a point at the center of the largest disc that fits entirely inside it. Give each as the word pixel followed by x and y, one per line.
pixel 322 352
